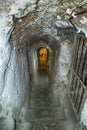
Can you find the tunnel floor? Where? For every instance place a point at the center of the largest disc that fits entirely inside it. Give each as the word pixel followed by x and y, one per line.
pixel 50 108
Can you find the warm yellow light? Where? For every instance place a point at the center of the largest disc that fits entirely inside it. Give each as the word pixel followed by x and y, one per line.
pixel 43 57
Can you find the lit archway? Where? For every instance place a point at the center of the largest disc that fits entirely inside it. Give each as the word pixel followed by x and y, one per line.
pixel 43 59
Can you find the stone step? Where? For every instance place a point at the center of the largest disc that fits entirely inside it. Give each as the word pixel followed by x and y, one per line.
pixel 46 114
pixel 43 98
pixel 45 125
pixel 43 102
pixel 41 93
pixel 41 90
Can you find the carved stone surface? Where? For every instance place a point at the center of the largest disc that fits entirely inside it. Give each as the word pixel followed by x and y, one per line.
pixel 44 110
pixel 47 113
pixel 45 125
pixel 43 97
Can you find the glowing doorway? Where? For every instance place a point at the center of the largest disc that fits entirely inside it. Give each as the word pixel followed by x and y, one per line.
pixel 43 59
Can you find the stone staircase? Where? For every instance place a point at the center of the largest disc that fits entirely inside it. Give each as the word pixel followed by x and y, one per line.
pixel 45 110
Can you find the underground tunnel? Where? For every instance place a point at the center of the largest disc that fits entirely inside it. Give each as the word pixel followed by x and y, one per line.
pixel 43 65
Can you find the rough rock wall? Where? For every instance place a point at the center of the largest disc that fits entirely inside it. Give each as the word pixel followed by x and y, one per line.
pixel 84 114
pixel 14 97
pixel 63 63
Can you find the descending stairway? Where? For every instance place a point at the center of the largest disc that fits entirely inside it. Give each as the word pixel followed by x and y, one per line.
pixel 45 109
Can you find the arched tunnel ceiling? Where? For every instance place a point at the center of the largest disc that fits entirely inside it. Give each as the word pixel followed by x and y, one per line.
pixel 38 16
